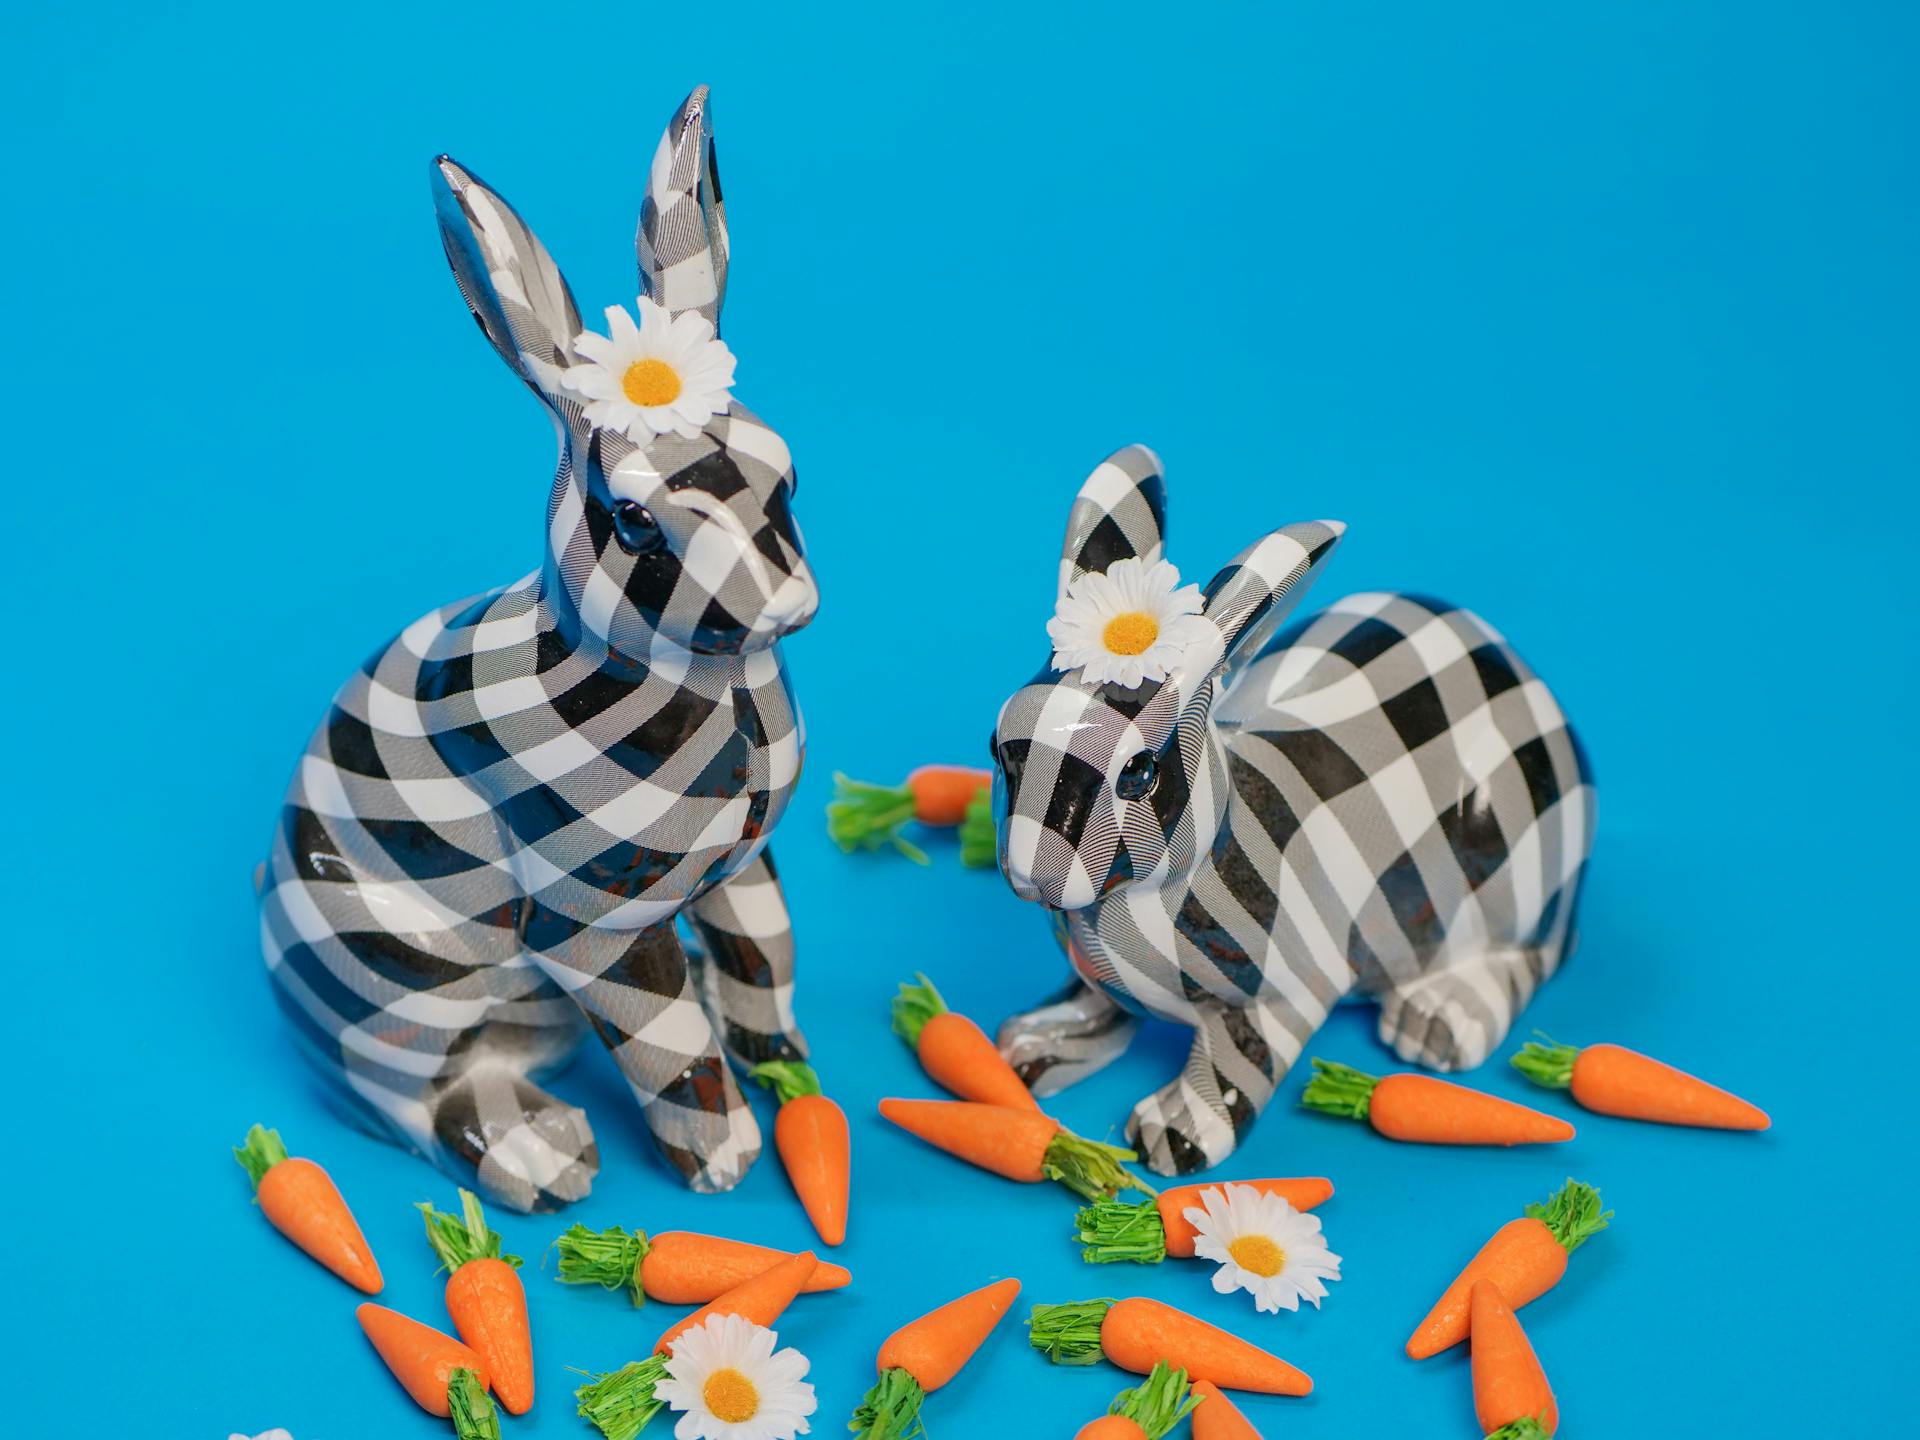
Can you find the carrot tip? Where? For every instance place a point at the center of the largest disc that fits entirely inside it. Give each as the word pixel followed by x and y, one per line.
pixel 471 1408
pixel 622 1404
pixel 1339 1090
pixel 913 1007
pixel 1112 1230
pixel 1573 1214
pixel 1068 1334
pixel 610 1259
pixel 259 1153
pixel 1161 1402
pixel 1545 1063
pixel 891 1408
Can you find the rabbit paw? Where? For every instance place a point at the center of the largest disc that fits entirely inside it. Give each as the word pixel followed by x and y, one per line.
pixel 1065 1040
pixel 1453 1019
pixel 1177 1131
pixel 527 1151
pixel 704 1127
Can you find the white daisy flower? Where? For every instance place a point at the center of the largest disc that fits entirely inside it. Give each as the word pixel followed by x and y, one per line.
pixel 733 1385
pixel 658 377
pixel 1262 1245
pixel 1128 625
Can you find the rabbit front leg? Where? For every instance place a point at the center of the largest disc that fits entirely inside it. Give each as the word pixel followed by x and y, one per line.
pixel 744 929
pixel 638 992
pixel 1239 1054
pixel 1078 1031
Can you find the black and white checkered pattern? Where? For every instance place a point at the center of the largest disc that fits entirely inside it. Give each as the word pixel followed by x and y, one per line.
pixel 495 829
pixel 1385 802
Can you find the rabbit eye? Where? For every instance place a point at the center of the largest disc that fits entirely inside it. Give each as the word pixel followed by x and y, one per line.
pixel 635 528
pixel 1137 777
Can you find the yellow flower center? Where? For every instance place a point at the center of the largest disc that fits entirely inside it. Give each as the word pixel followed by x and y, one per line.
pixel 1130 633
pixel 1258 1255
pixel 731 1396
pixel 651 382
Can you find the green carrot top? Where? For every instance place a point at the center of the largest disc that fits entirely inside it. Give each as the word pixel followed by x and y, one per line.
pixel 979 841
pixel 622 1404
pixel 458 1239
pixel 471 1408
pixel 1068 1334
pixel 788 1079
pixel 259 1153
pixel 1525 1428
pixel 865 817
pixel 1339 1090
pixel 1573 1214
pixel 914 1006
pixel 891 1409
pixel 608 1258
pixel 1088 1168
pixel 1545 1063
pixel 1159 1404
pixel 1111 1229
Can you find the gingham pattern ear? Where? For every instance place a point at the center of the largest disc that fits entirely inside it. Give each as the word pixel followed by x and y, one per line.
pixel 682 239
pixel 1251 599
pixel 508 280
pixel 1121 512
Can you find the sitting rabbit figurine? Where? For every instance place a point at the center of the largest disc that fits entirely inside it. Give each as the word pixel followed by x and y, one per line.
pixel 1236 831
pixel 492 833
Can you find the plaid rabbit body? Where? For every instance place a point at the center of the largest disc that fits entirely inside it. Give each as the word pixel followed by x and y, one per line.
pixel 1384 803
pixel 495 833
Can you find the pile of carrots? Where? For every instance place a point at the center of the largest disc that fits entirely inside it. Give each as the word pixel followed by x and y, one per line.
pixel 995 1123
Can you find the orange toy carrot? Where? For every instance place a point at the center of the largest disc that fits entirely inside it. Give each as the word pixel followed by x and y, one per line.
pixel 925 1354
pixel 1218 1418
pixel 1508 1383
pixel 1419 1107
pixel 1525 1259
pixel 1146 1412
pixel 1614 1080
pixel 622 1404
pixel 443 1376
pixel 485 1298
pixel 954 1051
pixel 810 1132
pixel 865 817
pixel 675 1267
pixel 1113 1230
pixel 762 1300
pixel 302 1202
pixel 1022 1145
pixel 1137 1334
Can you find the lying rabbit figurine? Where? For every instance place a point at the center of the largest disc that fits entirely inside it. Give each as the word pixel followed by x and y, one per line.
pixel 1236 831
pixel 493 831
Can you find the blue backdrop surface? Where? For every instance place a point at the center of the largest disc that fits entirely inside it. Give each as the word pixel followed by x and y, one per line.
pixel 1599 321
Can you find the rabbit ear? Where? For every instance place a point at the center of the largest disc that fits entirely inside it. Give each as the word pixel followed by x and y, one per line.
pixel 511 284
pixel 682 240
pixel 1250 599
pixel 1121 512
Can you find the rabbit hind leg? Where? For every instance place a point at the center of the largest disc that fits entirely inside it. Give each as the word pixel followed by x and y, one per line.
pixel 1454 1017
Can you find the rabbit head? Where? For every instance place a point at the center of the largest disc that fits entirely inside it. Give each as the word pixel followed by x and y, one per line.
pixel 1097 785
pixel 667 526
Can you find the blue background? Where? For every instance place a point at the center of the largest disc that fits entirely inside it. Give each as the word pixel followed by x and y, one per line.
pixel 1598 319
